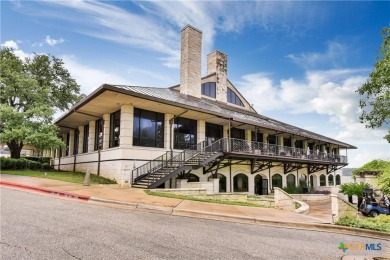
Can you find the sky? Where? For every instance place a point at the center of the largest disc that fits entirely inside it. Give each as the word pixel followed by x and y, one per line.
pixel 299 62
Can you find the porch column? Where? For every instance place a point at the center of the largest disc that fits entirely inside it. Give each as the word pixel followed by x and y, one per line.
pixel 248 135
pixel 64 137
pixel 71 142
pixel 126 126
pixel 91 136
pixel 81 139
pixel 293 140
pixel 201 130
pixel 281 140
pixel 225 131
pixel 168 131
pixel 305 145
pixel 53 153
pixel 265 137
pixel 106 131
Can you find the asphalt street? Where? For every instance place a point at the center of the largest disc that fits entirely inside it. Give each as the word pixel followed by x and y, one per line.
pixel 35 226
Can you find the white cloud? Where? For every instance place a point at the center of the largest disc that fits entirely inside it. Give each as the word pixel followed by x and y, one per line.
pixel 334 56
pixel 52 42
pixel 15 47
pixel 143 28
pixel 90 78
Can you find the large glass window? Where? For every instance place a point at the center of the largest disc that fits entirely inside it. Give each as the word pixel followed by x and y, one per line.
pixel 115 128
pixel 98 134
pixel 233 98
pixel 338 181
pixel 148 129
pixel 185 133
pixel 299 144
pixel 238 133
pixel 85 138
pixel 76 142
pixel 330 180
pixel 213 133
pixel 257 137
pixel 272 139
pixel 286 141
pixel 208 89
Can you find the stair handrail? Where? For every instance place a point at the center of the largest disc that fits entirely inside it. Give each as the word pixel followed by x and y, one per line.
pixel 176 159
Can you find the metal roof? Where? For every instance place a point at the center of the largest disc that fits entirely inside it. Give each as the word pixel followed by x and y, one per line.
pixel 171 96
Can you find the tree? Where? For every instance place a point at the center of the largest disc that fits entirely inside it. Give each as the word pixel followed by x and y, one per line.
pixel 376 90
pixel 31 90
pixel 354 189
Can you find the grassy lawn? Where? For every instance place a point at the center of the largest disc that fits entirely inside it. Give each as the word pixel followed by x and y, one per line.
pixel 184 197
pixel 380 223
pixel 75 177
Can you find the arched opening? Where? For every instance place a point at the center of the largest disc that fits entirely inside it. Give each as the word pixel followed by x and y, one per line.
pixel 240 183
pixel 277 181
pixel 330 180
pixel 261 185
pixel 192 178
pixel 222 181
pixel 338 180
pixel 291 181
pixel 322 180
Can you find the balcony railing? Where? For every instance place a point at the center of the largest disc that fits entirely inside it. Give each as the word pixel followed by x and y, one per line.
pixel 263 149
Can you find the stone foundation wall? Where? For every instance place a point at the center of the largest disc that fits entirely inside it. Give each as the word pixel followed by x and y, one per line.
pixel 283 200
pixel 342 208
pixel 310 197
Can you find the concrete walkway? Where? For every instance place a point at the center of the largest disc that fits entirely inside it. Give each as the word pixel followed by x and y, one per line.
pixel 133 198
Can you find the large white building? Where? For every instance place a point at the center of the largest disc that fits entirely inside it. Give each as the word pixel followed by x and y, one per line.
pixel 202 128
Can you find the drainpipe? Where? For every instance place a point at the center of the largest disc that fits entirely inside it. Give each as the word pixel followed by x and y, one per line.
pixel 229 136
pixel 74 162
pixel 98 169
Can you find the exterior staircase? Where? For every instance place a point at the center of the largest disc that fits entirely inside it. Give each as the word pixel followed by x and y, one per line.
pixel 156 172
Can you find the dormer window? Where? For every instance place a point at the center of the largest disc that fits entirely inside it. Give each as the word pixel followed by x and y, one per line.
pixel 233 98
pixel 208 89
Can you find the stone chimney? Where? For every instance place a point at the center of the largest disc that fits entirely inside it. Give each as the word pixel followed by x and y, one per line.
pixel 190 62
pixel 217 63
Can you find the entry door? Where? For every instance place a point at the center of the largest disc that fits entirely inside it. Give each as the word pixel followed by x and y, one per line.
pixel 264 187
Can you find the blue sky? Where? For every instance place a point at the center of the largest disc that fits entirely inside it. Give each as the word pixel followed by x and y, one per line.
pixel 298 62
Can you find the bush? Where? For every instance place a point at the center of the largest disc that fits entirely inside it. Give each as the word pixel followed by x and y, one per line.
pixel 20 164
pixel 34 165
pixel 46 166
pixel 38 159
pixel 380 223
pixel 5 163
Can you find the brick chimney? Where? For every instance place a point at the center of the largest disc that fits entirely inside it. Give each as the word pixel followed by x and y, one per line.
pixel 217 63
pixel 190 62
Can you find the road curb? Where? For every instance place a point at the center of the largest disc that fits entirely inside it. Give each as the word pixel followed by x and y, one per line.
pixel 48 191
pixel 331 228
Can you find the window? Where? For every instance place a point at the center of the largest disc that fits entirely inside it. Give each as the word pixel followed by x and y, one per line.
pixel 258 138
pixel 322 180
pixel 76 142
pixel 240 183
pixel 98 134
pixel 286 141
pixel 299 144
pixel 213 133
pixel 85 138
pixel 338 181
pixel 277 181
pixel 185 133
pixel 233 98
pixel 222 181
pixel 272 139
pixel 192 178
pixel 290 181
pixel 115 128
pixel 238 133
pixel 330 180
pixel 148 129
pixel 208 89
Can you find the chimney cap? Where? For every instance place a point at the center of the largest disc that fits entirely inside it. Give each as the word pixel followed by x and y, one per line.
pixel 192 27
pixel 217 51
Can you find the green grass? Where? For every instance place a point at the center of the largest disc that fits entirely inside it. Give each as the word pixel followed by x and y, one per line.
pixel 74 177
pixel 379 223
pixel 184 197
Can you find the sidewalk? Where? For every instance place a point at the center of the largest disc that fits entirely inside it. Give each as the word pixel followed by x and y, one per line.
pixel 137 199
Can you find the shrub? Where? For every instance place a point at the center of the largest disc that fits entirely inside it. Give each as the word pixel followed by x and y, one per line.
pixel 380 223
pixel 5 163
pixel 46 166
pixel 20 164
pixel 34 165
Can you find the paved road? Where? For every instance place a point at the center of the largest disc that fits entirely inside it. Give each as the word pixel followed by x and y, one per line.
pixel 35 226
